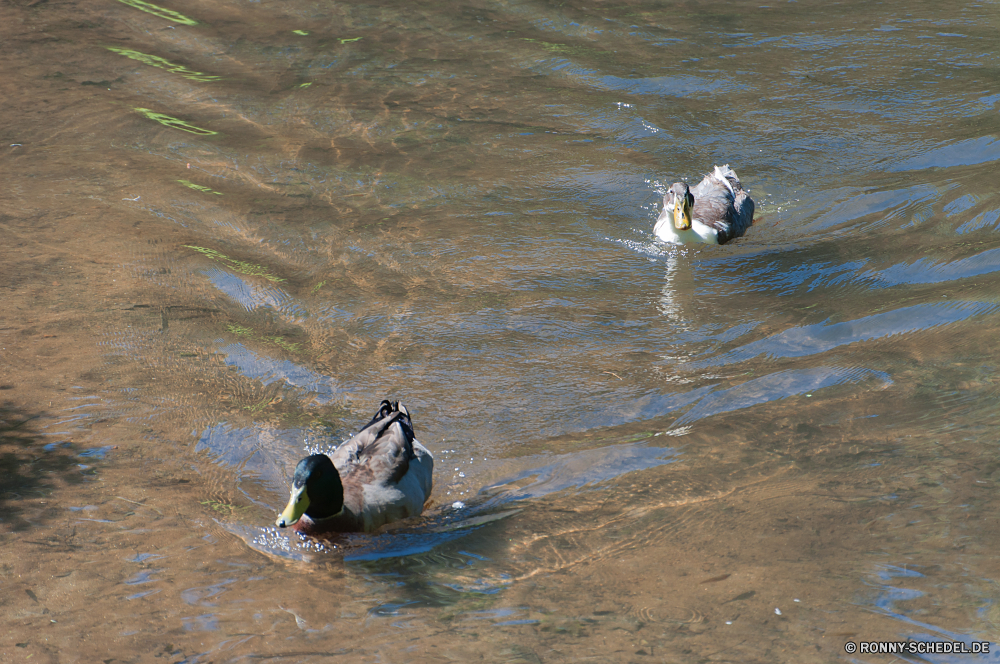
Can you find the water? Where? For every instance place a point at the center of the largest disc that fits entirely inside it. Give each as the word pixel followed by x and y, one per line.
pixel 231 230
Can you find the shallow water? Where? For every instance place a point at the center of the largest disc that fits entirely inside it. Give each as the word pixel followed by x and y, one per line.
pixel 232 228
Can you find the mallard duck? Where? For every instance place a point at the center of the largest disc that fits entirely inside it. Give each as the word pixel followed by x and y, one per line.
pixel 379 476
pixel 714 212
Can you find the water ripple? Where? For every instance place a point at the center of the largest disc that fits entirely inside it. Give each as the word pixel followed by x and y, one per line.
pixel 974 151
pixel 819 338
pixel 930 271
pixel 268 370
pixel 779 385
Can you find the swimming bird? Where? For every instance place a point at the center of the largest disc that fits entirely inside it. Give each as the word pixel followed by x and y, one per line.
pixel 380 475
pixel 717 210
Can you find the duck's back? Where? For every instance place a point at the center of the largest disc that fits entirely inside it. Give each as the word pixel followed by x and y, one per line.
pixel 721 203
pixel 387 474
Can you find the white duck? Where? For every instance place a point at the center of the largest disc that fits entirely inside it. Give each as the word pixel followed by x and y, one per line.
pixel 714 212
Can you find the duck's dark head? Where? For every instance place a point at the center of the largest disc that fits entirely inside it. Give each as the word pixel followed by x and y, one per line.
pixel 680 200
pixel 316 491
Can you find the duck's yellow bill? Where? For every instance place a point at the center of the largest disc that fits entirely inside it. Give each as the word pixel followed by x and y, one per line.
pixel 298 503
pixel 682 218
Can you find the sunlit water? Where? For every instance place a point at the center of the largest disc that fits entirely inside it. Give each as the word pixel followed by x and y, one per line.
pixel 230 229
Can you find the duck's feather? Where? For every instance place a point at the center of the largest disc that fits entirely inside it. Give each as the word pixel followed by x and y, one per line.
pixel 720 202
pixel 380 452
pixel 387 475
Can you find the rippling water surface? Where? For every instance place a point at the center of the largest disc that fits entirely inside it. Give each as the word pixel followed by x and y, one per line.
pixel 231 228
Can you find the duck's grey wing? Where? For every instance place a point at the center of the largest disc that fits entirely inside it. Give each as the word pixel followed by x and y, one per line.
pixel 713 201
pixel 740 217
pixel 721 202
pixel 387 474
pixel 381 452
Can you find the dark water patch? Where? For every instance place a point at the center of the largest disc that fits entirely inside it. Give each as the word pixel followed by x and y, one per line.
pixel 31 468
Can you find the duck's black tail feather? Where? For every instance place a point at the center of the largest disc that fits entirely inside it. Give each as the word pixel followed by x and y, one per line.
pixel 387 408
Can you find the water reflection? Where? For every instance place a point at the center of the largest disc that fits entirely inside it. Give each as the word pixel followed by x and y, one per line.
pixel 930 271
pixel 780 385
pixel 893 601
pixel 850 206
pixel 267 370
pixel 823 337
pixel 580 469
pixel 961 153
